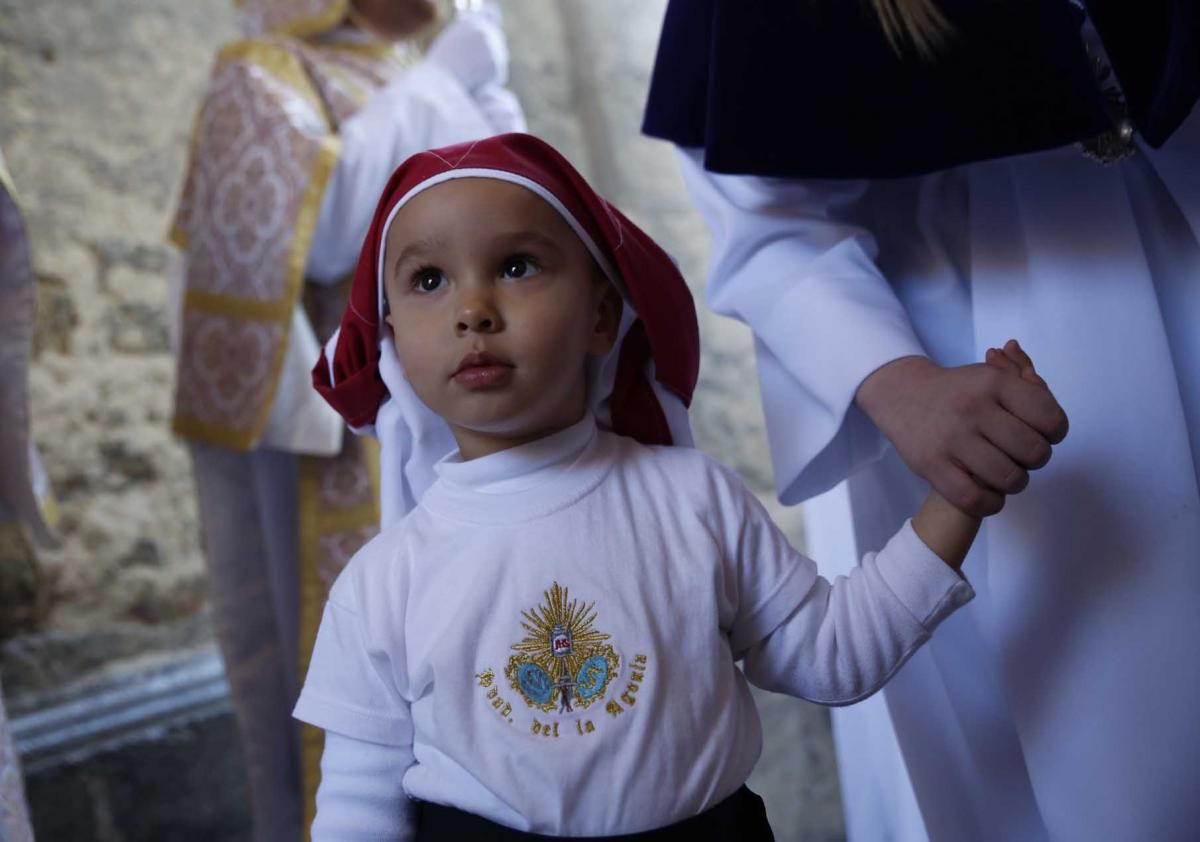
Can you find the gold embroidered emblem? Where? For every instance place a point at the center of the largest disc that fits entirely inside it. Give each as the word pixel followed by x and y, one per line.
pixel 563 661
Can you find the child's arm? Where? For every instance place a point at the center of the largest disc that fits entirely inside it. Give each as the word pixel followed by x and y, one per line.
pixel 354 692
pixel 945 529
pixel 360 796
pixel 837 641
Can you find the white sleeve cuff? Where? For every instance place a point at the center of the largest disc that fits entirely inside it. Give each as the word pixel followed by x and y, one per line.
pixel 795 261
pixel 811 366
pixel 929 588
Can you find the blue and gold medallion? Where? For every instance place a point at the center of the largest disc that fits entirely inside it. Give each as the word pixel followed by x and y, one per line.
pixel 563 662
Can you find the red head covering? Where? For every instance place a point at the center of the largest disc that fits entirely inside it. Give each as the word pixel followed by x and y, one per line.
pixel 665 333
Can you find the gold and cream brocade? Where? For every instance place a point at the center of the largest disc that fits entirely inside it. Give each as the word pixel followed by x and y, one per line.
pixel 264 147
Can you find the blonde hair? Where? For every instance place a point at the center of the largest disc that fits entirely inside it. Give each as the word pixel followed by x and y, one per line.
pixel 916 23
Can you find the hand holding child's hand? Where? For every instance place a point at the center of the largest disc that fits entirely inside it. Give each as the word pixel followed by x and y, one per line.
pixel 949 529
pixel 1013 359
pixel 973 432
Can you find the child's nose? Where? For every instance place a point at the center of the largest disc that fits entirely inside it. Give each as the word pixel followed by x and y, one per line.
pixel 478 316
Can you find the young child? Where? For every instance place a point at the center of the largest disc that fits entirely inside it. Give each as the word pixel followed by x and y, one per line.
pixel 548 642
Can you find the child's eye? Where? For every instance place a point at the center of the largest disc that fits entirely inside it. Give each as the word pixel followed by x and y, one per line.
pixel 428 279
pixel 519 266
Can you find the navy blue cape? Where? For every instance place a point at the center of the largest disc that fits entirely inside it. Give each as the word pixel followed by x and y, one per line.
pixel 813 89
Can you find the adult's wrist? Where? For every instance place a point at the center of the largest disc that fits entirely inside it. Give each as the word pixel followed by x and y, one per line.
pixel 881 388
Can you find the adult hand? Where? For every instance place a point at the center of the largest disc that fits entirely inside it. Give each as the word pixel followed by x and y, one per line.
pixel 973 432
pixel 1013 359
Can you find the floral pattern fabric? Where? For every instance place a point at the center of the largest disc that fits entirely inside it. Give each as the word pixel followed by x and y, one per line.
pixel 265 144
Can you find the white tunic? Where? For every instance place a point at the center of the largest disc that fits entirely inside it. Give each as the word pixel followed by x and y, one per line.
pixel 549 639
pixel 1064 704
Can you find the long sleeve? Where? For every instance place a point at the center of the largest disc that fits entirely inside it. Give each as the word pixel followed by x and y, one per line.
pixel 356 691
pixel 848 637
pixel 832 642
pixel 360 798
pixel 794 261
pixel 500 108
pixel 425 107
pixel 456 93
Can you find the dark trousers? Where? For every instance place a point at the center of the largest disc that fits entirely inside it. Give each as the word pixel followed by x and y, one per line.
pixel 739 818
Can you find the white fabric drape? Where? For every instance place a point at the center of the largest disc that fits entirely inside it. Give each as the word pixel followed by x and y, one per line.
pixel 1061 704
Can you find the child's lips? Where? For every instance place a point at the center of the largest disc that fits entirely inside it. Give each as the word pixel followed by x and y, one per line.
pixel 482 371
pixel 484 376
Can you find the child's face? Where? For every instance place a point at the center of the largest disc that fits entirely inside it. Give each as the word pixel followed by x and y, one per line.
pixel 494 306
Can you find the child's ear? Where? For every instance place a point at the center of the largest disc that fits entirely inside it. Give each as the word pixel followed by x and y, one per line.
pixel 608 321
pixel 387 318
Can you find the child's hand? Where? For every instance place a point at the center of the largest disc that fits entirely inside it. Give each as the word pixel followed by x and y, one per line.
pixel 972 432
pixel 1012 358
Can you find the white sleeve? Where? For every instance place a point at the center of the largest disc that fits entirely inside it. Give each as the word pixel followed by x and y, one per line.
pixel 798 633
pixel 352 687
pixel 360 797
pixel 848 637
pixel 424 108
pixel 300 420
pixel 794 261
pixel 500 107
pixel 474 50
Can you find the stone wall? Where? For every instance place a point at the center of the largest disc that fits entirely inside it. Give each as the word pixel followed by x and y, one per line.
pixel 96 103
pixel 95 111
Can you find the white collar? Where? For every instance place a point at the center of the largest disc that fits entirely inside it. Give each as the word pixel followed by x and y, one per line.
pixel 526 482
pixel 518 467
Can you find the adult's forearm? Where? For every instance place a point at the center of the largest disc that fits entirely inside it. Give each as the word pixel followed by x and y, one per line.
pixel 880 391
pixel 794 261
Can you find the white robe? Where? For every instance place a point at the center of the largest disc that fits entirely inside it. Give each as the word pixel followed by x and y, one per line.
pixel 1065 702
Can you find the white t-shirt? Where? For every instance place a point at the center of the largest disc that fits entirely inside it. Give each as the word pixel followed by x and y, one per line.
pixel 552 633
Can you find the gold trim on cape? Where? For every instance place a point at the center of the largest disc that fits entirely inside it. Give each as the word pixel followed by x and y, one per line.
pixel 322 556
pixel 218 403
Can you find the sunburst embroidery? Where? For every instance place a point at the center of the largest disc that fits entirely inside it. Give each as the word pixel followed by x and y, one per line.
pixel 563 661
